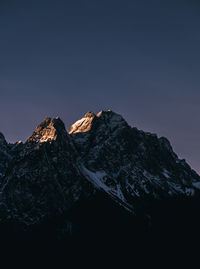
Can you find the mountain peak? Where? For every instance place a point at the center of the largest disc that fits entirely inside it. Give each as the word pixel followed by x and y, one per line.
pixel 109 114
pixel 107 118
pixel 111 119
pixel 105 112
pixel 48 130
pixel 2 139
pixel 83 125
pixel 89 114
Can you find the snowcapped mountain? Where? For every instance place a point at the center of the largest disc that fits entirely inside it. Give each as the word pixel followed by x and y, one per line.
pixel 53 170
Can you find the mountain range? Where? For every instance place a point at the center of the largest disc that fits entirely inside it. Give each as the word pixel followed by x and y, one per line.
pixel 103 181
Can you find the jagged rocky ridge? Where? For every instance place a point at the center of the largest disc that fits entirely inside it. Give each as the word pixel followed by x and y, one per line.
pixel 51 172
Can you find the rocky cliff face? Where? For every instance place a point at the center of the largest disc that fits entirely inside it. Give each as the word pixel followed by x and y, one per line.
pixel 128 163
pixel 54 170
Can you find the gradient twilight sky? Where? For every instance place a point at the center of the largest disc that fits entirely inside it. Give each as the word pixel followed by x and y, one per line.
pixel 140 58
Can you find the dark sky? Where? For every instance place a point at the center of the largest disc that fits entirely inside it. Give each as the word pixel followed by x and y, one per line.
pixel 138 58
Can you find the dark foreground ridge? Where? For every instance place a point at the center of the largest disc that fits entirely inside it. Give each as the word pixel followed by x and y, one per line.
pixel 104 191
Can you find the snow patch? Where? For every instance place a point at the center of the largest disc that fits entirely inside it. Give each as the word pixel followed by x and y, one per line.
pixel 97 179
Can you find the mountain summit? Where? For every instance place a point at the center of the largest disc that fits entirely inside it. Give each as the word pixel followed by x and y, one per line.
pixel 84 124
pixel 48 130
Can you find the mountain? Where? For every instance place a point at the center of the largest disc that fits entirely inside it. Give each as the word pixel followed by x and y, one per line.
pixel 42 179
pixel 102 179
pixel 128 163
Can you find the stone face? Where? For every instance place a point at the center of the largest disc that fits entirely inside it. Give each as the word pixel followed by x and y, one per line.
pixel 53 170
pixel 48 130
pixel 83 125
